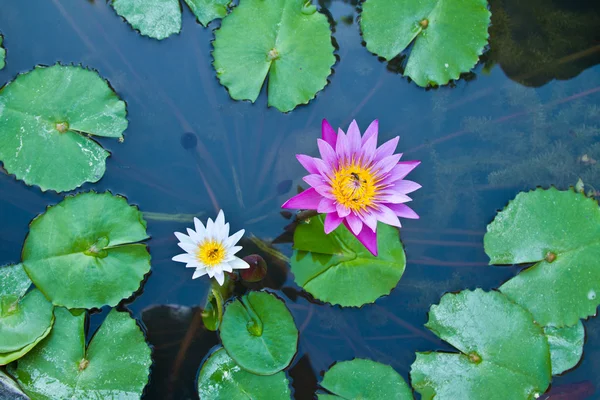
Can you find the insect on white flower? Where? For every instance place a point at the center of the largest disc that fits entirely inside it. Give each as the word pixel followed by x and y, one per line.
pixel 210 249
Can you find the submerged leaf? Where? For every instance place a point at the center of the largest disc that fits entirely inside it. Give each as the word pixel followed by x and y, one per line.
pixel 448 36
pixel 364 379
pixel 46 119
pixel 115 364
pixel 338 269
pixel 259 333
pixel 157 19
pixel 222 379
pixel 208 10
pixel 25 318
pixel 560 231
pixel 566 346
pixel 286 39
pixel 83 252
pixel 504 354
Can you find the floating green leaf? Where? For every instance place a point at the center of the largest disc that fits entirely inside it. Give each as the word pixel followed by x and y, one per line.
pixel 25 318
pixel 566 346
pixel 364 379
pixel 160 19
pixel 560 231
pixel 115 364
pixel 2 53
pixel 46 119
pixel 504 354
pixel 448 36
pixel 286 39
pixel 338 269
pixel 82 253
pixel 222 379
pixel 259 333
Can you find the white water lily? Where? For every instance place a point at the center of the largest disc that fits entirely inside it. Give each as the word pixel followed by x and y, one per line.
pixel 210 249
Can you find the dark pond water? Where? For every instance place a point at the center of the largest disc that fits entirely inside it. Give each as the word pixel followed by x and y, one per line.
pixel 189 149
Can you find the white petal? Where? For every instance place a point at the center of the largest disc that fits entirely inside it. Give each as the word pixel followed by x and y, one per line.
pixel 183 238
pixel 210 228
pixel 210 272
pixel 193 235
pixel 233 239
pixel 220 277
pixel 195 264
pixel 188 247
pixel 184 258
pixel 234 250
pixel 225 232
pixel 198 225
pixel 226 267
pixel 199 272
pixel 220 221
pixel 238 263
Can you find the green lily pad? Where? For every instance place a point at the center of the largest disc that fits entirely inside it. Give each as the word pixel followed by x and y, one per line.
pixel 448 36
pixel 115 364
pixel 504 354
pixel 338 269
pixel 160 19
pixel 566 346
pixel 222 379
pixel 286 39
pixel 364 379
pixel 46 119
pixel 560 231
pixel 25 318
pixel 82 252
pixel 259 333
pixel 2 53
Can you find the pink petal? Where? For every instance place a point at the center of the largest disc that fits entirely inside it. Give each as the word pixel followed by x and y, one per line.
pixel 328 133
pixel 327 153
pixel 405 186
pixel 308 163
pixel 314 180
pixel 354 140
pixel 387 216
pixel 370 220
pixel 367 152
pixel 326 206
pixel 402 210
pixel 332 221
pixel 393 197
pixel 402 169
pixel 386 164
pixel 354 223
pixel 371 131
pixel 368 238
pixel 342 147
pixel 307 200
pixel 386 149
pixel 342 210
pixel 324 169
pixel 325 191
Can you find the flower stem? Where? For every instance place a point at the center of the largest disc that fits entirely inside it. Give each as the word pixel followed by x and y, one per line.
pixel 255 325
pixel 219 299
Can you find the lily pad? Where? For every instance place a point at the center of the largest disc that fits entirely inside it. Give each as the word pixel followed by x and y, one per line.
pixel 448 36
pixel 286 39
pixel 222 379
pixel 503 353
pixel 259 333
pixel 566 346
pixel 338 269
pixel 115 364
pixel 560 232
pixel 364 379
pixel 82 252
pixel 25 318
pixel 2 53
pixel 160 19
pixel 46 119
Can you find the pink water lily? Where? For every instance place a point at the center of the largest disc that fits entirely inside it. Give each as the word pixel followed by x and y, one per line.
pixel 356 183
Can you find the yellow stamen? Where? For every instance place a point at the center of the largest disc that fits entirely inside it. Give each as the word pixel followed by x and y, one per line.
pixel 211 253
pixel 355 186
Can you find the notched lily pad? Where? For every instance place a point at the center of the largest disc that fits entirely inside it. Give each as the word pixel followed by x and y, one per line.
pixel 25 318
pixel 259 333
pixel 115 364
pixel 208 10
pixel 560 232
pixel 84 251
pixel 47 118
pixel 2 54
pixel 222 379
pixel 448 36
pixel 338 269
pixel 286 39
pixel 364 379
pixel 566 346
pixel 504 354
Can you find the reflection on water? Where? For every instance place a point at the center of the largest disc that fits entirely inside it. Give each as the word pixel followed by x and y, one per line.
pixel 190 149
